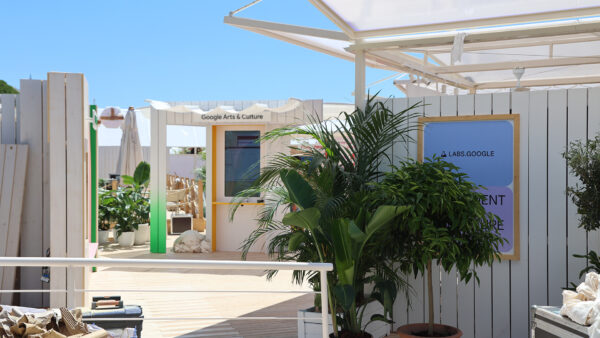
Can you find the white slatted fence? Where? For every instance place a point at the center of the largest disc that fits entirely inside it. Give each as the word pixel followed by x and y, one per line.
pixel 549 233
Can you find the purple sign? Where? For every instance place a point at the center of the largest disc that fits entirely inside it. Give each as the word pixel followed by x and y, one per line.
pixel 484 149
pixel 499 201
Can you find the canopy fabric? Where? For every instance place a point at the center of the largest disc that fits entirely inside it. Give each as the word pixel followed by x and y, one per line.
pixel 377 15
pixel 130 154
pixel 553 53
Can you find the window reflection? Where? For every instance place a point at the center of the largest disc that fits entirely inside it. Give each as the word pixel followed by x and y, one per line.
pixel 242 154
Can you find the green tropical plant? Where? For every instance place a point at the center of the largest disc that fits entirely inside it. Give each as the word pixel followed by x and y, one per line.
pixel 445 221
pixel 107 209
pixel 583 159
pixel 334 178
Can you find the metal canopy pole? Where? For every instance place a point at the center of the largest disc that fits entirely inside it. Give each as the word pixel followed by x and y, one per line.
pixel 359 78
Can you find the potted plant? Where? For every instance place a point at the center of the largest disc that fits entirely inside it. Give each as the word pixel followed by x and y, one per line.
pixel 583 159
pixel 137 187
pixel 445 222
pixel 106 214
pixel 332 184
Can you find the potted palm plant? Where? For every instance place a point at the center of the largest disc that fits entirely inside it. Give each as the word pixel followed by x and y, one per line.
pixel 445 222
pixel 332 183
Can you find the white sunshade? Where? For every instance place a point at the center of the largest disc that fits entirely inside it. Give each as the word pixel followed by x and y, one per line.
pixel 377 15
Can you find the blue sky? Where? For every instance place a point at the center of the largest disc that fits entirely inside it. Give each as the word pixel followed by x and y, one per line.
pixel 173 50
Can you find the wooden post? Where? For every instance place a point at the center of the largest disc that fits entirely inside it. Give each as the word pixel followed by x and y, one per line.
pixel 158 181
pixel 70 202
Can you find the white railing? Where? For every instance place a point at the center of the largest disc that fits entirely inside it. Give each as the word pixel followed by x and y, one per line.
pixel 71 263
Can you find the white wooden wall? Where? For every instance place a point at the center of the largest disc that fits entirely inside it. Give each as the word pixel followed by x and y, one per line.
pixel 35 226
pixel 499 306
pixel 69 204
pixel 9 118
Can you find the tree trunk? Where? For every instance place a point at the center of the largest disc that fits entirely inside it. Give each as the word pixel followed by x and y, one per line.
pixel 430 299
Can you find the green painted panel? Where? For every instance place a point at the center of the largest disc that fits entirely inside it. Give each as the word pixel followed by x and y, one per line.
pixel 94 172
pixel 158 224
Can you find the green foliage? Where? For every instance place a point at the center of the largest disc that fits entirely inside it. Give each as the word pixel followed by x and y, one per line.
pixel 129 205
pixel 445 220
pixel 584 162
pixel 334 219
pixel 5 88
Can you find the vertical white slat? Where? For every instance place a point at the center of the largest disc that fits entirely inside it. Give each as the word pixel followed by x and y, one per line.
pixel 386 163
pixel 17 118
pixel 592 132
pixel 483 290
pixel 58 183
pixel 501 270
pixel 9 131
pixel 15 200
pixel 557 200
pixel 538 190
pixel 416 313
pixel 46 183
pixel 32 134
pixel 432 109
pixel 171 117
pixel 76 199
pixel 400 148
pixel 577 131
pixel 519 273
pixel 449 309
pixel 179 118
pixel 466 291
pixel 9 154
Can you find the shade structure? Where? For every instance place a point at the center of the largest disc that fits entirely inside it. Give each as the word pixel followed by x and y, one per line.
pixel 456 46
pixel 130 154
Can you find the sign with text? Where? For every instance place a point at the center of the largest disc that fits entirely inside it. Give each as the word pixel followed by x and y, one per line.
pixel 486 148
pixel 221 117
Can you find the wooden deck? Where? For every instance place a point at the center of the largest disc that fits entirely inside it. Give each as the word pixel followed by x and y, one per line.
pixel 204 304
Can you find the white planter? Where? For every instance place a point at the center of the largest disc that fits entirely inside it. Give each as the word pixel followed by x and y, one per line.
pixel 142 234
pixel 126 239
pixel 309 322
pixel 103 236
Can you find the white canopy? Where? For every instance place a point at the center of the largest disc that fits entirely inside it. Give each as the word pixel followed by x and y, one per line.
pixel 556 42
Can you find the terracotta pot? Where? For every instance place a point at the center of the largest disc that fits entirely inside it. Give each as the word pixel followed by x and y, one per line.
pixel 440 330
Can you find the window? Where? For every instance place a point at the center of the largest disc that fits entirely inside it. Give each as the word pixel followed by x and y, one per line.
pixel 242 156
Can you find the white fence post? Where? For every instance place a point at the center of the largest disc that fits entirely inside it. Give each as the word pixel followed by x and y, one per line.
pixel 324 302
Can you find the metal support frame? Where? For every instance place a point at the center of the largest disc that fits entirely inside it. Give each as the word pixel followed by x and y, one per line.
pixel 359 79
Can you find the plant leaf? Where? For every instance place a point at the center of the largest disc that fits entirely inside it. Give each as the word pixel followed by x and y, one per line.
pixel 306 219
pixel 344 294
pixel 301 193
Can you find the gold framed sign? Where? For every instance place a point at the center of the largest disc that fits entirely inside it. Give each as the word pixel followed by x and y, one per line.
pixel 486 148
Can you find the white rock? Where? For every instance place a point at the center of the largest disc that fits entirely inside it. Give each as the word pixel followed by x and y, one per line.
pixel 191 241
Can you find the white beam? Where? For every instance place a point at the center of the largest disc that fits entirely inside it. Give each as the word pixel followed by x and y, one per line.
pixel 334 17
pixel 540 82
pixel 484 67
pixel 477 23
pixel 329 51
pixel 408 65
pixel 478 46
pixel 280 27
pixel 359 79
pixel 484 35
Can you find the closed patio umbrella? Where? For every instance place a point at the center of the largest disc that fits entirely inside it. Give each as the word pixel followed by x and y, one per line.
pixel 130 153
